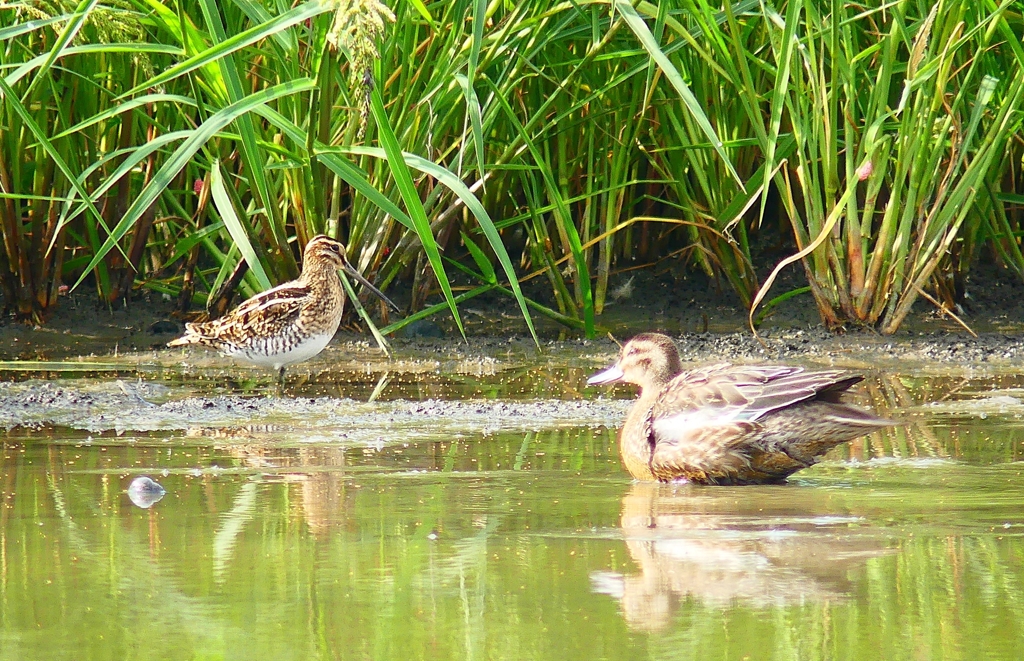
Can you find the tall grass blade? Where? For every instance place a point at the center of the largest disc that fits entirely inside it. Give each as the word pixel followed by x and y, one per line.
pixel 7 93
pixel 217 53
pixel 650 44
pixel 364 315
pixel 71 29
pixel 181 156
pixel 406 187
pixel 226 208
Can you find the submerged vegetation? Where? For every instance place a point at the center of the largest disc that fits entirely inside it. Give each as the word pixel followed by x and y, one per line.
pixel 193 147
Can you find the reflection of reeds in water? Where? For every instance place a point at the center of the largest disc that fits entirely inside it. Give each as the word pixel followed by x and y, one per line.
pixel 458 378
pixel 702 546
pixel 890 396
pixel 919 401
pixel 109 578
pixel 230 528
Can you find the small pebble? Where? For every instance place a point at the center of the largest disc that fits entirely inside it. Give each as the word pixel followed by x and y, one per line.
pixel 144 492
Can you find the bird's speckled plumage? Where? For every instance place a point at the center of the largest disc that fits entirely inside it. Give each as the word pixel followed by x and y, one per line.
pixel 291 322
pixel 729 424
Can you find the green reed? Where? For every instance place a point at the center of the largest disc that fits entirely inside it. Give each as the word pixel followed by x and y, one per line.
pixel 900 117
pixel 463 147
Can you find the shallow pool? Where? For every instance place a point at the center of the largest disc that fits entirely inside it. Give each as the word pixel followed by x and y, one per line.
pixel 499 528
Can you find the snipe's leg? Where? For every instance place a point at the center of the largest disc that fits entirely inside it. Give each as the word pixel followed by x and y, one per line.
pixel 280 381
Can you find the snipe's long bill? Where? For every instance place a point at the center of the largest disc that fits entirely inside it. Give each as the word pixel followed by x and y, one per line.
pixel 290 323
pixel 729 424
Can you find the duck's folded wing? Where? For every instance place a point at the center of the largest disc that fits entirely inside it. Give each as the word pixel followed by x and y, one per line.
pixel 747 392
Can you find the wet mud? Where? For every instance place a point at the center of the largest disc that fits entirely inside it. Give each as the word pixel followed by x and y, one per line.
pixel 353 393
pixel 133 407
pixel 99 369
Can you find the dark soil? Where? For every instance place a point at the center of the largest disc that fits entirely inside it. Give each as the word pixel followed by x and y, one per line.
pixel 463 387
pixel 706 318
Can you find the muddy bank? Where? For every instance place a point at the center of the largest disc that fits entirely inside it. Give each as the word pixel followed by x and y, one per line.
pixel 432 389
pixel 132 407
pixel 706 316
pixel 940 350
pixel 109 370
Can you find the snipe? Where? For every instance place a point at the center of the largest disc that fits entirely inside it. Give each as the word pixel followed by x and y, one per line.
pixel 291 322
pixel 729 424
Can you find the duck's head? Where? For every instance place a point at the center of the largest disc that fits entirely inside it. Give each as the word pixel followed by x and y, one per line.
pixel 650 360
pixel 323 250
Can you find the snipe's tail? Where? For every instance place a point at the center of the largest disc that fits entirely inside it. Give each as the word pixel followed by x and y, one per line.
pixel 192 336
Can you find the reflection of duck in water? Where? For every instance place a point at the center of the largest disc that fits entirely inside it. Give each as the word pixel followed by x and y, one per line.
pixel 729 424
pixel 704 547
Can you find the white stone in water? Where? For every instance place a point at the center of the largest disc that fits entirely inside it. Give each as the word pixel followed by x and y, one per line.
pixel 144 492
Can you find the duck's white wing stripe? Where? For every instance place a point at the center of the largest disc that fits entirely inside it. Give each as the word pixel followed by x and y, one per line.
pixel 673 428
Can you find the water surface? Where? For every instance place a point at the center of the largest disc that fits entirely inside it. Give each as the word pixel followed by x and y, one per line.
pixel 300 539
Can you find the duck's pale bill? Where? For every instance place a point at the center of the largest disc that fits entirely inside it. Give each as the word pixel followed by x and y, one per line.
pixel 610 375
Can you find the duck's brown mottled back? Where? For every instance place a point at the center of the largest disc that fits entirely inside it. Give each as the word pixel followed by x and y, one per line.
pixel 729 424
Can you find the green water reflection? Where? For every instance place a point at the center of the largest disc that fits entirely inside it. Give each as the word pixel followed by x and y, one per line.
pixel 509 546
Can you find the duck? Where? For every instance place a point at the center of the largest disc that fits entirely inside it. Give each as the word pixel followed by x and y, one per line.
pixel 727 424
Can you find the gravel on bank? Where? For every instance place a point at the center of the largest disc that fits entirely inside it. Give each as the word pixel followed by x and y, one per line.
pixel 122 407
pixel 857 348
